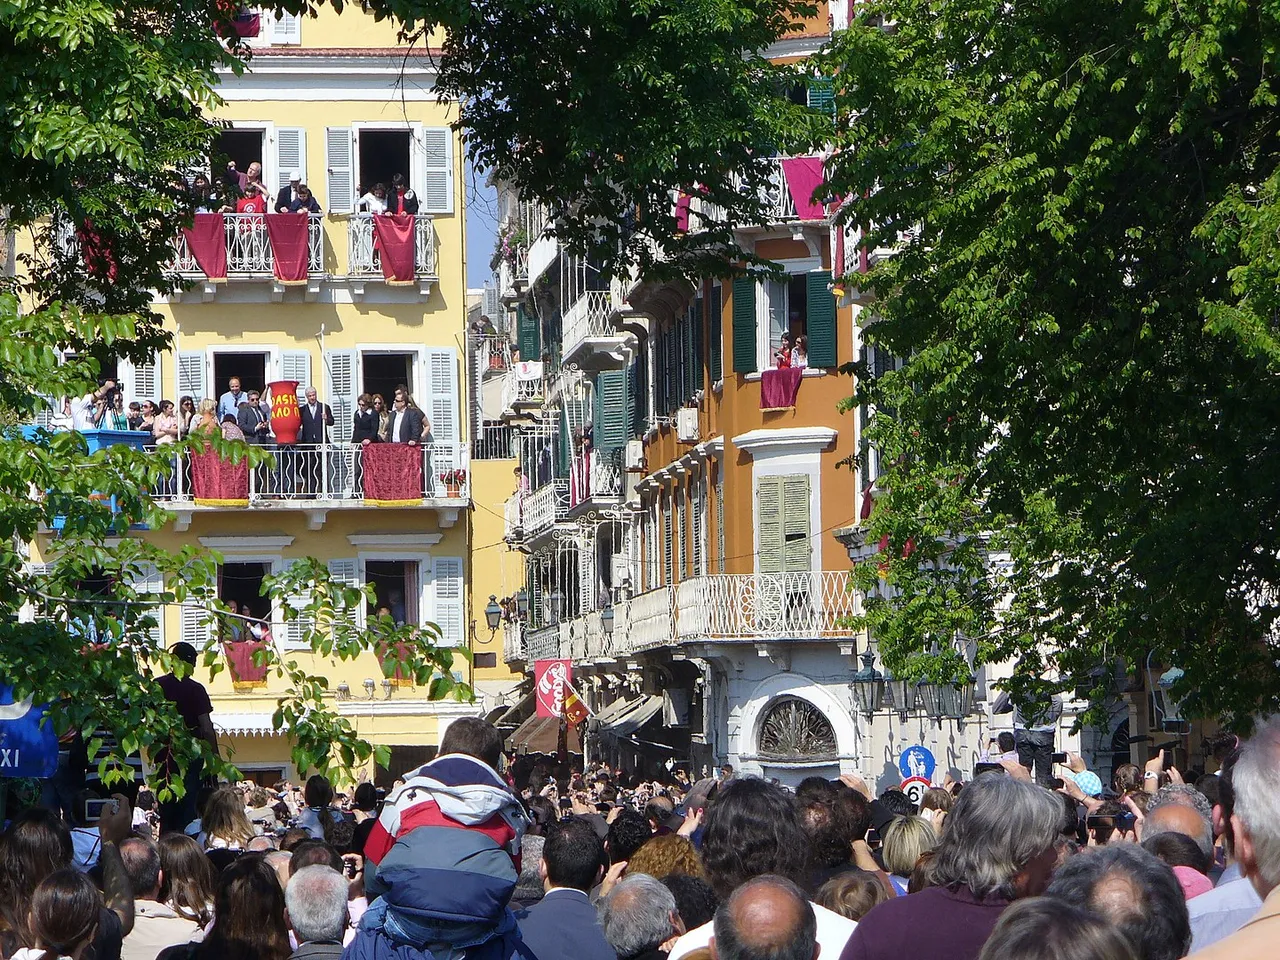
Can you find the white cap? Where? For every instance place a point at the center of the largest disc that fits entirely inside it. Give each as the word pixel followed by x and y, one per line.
pixel 295 176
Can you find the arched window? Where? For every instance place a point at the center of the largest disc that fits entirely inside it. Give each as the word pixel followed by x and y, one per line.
pixel 794 729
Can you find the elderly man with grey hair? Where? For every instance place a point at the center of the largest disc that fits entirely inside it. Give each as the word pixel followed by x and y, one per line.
pixel 1178 808
pixel 1255 829
pixel 316 907
pixel 768 918
pixel 999 843
pixel 640 919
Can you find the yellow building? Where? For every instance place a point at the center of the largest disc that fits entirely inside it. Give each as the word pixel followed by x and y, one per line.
pixel 333 102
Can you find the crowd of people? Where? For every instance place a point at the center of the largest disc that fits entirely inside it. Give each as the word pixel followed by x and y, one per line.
pixel 477 856
pixel 242 191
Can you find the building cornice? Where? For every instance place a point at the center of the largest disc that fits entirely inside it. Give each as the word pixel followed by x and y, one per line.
pixel 246 544
pixel 785 440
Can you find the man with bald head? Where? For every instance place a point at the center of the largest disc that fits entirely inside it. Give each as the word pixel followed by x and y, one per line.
pixel 768 918
pixel 1178 808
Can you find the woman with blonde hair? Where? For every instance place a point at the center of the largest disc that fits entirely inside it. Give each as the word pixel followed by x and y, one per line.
pixel 206 419
pixel 664 855
pixel 852 894
pixel 224 824
pixel 902 843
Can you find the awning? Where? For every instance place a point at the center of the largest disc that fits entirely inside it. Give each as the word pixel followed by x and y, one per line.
pixel 641 712
pixel 542 735
pixel 615 710
pixel 244 724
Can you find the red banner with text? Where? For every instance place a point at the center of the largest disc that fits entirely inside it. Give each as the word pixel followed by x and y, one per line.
pixel 551 680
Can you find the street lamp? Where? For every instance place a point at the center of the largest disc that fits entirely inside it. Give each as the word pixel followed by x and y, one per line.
pixel 522 602
pixel 606 620
pixel 493 614
pixel 931 696
pixel 902 695
pixel 868 685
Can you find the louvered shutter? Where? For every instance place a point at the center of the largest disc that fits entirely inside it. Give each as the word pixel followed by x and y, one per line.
pixel 820 327
pixel 528 334
pixel 687 356
pixel 699 339
pixel 338 153
pixel 449 616
pixel 699 533
pixel 291 154
pixel 341 368
pixel 141 380
pixel 296 365
pixel 719 494
pixel 442 393
pixel 681 533
pixel 191 376
pixel 194 625
pixel 635 390
pixel 436 195
pixel 296 629
pixel 347 573
pixel 772 555
pixel 613 413
pixel 744 325
pixel 667 559
pixel 822 95
pixel 795 524
pixel 148 582
pixel 715 352
pixel 286 28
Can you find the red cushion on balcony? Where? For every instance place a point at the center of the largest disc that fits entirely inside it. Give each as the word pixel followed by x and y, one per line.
pixel 394 234
pixel 289 234
pixel 207 241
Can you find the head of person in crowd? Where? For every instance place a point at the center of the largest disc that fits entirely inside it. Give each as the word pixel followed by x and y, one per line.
pixel 640 918
pixel 658 811
pixel 262 844
pixel 1255 817
pixel 188 881
pixel 695 900
pixel 814 788
pixel 1127 779
pixel 1040 929
pixel 312 852
pixel 1006 742
pixel 36 845
pixel 922 873
pixel 278 860
pixel 572 857
pixel 1132 890
pixel 1177 808
pixel 832 820
pixel 1000 841
pixel 665 854
pixel 751 829
pixel 897 803
pixel 627 834
pixel 65 908
pixel 366 798
pixel 249 920
pixel 293 838
pixel 224 822
pixel 1185 857
pixel 316 904
pixel 904 841
pixel 141 862
pixel 766 918
pixel 473 737
pixel 852 894
pixel 937 800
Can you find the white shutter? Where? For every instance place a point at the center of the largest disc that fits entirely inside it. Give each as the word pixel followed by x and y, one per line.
pixel 296 365
pixel 286 28
pixel 194 628
pixel 699 527
pixel 146 581
pixel 141 380
pixel 341 368
pixel 437 173
pixel 447 578
pixel 347 573
pixel 291 154
pixel 296 629
pixel 680 534
pixel 191 376
pixel 338 153
pixel 442 393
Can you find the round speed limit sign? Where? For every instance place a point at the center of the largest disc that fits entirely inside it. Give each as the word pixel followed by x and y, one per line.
pixel 914 788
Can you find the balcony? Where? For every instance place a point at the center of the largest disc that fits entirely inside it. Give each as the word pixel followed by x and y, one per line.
pixel 525 225
pixel 320 478
pixel 523 389
pixel 364 260
pixel 544 506
pixel 248 249
pixel 544 643
pixel 514 649
pixel 591 340
pixel 513 517
pixel 595 479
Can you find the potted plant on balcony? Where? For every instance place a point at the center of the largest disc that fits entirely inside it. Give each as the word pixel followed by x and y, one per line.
pixel 453 481
pixel 505 249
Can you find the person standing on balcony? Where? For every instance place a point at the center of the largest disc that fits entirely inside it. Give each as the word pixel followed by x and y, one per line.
pixel 800 353
pixel 304 202
pixel 253 420
pixel 402 199
pixel 117 417
pixel 375 201
pixel 364 427
pixel 229 402
pixel 407 421
pixel 289 193
pixel 317 418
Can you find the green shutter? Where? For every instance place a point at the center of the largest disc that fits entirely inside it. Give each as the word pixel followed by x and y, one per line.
pixel 612 414
pixel 699 319
pixel 795 524
pixel 687 375
pixel 673 369
pixel 744 325
pixel 716 338
pixel 820 327
pixel 528 334
pixel 769 522
pixel 822 95
pixel 563 445
pixel 636 402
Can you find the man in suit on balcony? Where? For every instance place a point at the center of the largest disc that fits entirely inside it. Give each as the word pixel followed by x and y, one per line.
pixel 317 418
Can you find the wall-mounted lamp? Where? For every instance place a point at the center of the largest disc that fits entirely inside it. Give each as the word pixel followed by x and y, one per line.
pixel 493 614
pixel 387 687
pixel 522 603
pixel 343 691
pixel 606 620
pixel 369 687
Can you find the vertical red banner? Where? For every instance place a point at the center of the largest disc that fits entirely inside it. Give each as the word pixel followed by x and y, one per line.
pixel 551 680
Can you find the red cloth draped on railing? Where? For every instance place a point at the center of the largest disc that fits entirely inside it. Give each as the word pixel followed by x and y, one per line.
pixel 396 653
pixel 207 241
pixel 392 473
pixel 240 661
pixel 289 235
pixel 682 212
pixel 97 255
pixel 778 388
pixel 394 233
pixel 217 482
pixel 804 176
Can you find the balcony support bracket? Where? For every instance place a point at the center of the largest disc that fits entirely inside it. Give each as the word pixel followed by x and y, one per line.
pixel 316 518
pixel 277 291
pixel 357 290
pixel 778 655
pixel 182 520
pixel 448 517
pixel 208 291
pixel 312 293
pixel 424 288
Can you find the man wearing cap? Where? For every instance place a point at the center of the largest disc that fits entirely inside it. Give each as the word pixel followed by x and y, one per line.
pixel 290 193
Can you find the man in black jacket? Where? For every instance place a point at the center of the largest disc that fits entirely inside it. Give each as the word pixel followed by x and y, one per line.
pixel 317 418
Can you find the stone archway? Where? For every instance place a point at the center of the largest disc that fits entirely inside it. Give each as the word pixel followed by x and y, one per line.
pixel 779 689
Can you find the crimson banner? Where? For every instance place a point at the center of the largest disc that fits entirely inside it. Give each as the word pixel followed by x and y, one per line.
pixel 804 176
pixel 394 236
pixel 240 661
pixel 392 473
pixel 551 680
pixel 207 241
pixel 778 388
pixel 288 234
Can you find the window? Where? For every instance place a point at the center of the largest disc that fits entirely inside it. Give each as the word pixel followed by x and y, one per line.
pixel 680 533
pixel 381 154
pixel 363 154
pixel 782 518
pixel 241 147
pixel 396 589
pixel 251 369
pixel 794 729
pixel 785 307
pixel 719 522
pixel 699 527
pixel 878 362
pixel 383 372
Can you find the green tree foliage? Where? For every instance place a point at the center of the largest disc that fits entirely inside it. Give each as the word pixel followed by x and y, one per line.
pixel 1083 445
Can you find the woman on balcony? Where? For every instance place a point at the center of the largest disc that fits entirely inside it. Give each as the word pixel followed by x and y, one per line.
pixel 304 202
pixel 375 201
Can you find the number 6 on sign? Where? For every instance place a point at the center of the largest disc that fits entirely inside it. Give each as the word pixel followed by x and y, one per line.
pixel 914 788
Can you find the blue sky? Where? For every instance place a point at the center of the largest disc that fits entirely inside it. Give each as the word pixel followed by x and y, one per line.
pixel 482 227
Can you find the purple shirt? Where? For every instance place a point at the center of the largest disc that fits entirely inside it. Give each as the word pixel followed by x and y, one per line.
pixel 937 923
